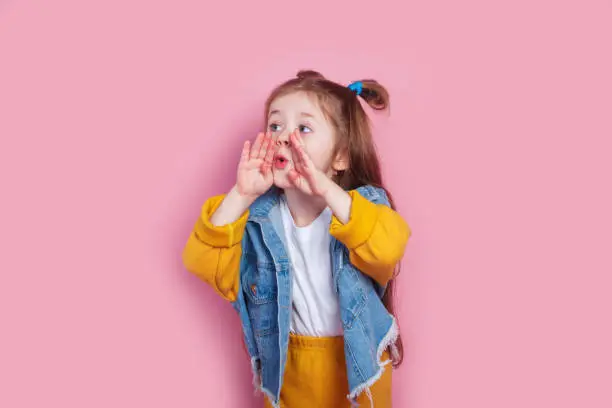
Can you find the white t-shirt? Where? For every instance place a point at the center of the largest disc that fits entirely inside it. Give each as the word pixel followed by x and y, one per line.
pixel 315 309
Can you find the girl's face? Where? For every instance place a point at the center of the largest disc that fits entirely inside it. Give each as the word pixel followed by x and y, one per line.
pixel 298 110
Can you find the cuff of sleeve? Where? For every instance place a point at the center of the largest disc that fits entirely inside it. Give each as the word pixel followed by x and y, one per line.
pixel 222 236
pixel 362 219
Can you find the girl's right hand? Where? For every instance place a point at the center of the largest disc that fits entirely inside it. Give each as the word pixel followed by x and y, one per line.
pixel 255 168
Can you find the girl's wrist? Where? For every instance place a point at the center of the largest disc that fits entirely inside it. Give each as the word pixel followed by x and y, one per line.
pixel 245 200
pixel 328 189
pixel 338 200
pixel 331 191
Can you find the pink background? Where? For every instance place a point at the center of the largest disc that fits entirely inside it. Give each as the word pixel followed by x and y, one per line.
pixel 118 119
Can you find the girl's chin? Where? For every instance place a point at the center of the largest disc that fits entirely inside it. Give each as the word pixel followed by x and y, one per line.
pixel 283 184
pixel 281 180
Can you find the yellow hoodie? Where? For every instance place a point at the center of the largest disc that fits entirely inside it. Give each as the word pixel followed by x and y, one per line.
pixel 375 235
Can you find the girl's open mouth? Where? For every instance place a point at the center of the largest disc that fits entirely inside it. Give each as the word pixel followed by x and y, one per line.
pixel 280 162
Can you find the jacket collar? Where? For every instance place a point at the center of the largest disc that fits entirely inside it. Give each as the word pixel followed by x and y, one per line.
pixel 260 209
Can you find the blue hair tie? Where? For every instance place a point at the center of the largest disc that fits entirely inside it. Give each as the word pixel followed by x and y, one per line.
pixel 356 87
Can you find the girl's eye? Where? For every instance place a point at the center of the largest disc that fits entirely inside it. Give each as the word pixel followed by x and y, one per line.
pixel 274 127
pixel 305 129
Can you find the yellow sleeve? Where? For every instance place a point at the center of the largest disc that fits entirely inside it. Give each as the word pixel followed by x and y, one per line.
pixel 213 252
pixel 375 235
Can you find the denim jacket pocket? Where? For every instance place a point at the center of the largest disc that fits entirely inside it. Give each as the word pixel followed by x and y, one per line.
pixel 259 280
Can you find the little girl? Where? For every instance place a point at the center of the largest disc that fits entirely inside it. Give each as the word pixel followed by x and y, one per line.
pixel 305 247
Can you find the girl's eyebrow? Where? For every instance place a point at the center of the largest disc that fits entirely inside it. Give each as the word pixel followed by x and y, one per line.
pixel 306 114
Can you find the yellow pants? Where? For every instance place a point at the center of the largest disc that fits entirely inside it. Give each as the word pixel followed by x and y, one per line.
pixel 315 376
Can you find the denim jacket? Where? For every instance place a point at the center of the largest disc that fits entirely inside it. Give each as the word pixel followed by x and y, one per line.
pixel 263 302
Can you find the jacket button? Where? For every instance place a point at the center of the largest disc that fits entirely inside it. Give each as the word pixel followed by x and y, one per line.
pixel 254 289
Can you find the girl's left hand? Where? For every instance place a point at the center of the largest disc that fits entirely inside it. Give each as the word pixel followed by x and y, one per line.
pixel 304 175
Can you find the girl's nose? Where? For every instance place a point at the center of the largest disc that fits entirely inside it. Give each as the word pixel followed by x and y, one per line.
pixel 283 139
pixel 283 142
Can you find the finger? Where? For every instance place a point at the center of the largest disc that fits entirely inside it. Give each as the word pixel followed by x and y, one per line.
pixel 294 177
pixel 266 166
pixel 244 156
pixel 257 146
pixel 269 157
pixel 301 153
pixel 295 148
pixel 296 139
pixel 298 181
pixel 299 138
pixel 306 159
pixel 310 179
pixel 264 146
pixel 265 143
pixel 293 139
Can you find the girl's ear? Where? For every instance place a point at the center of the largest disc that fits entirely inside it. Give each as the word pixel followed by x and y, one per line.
pixel 341 161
